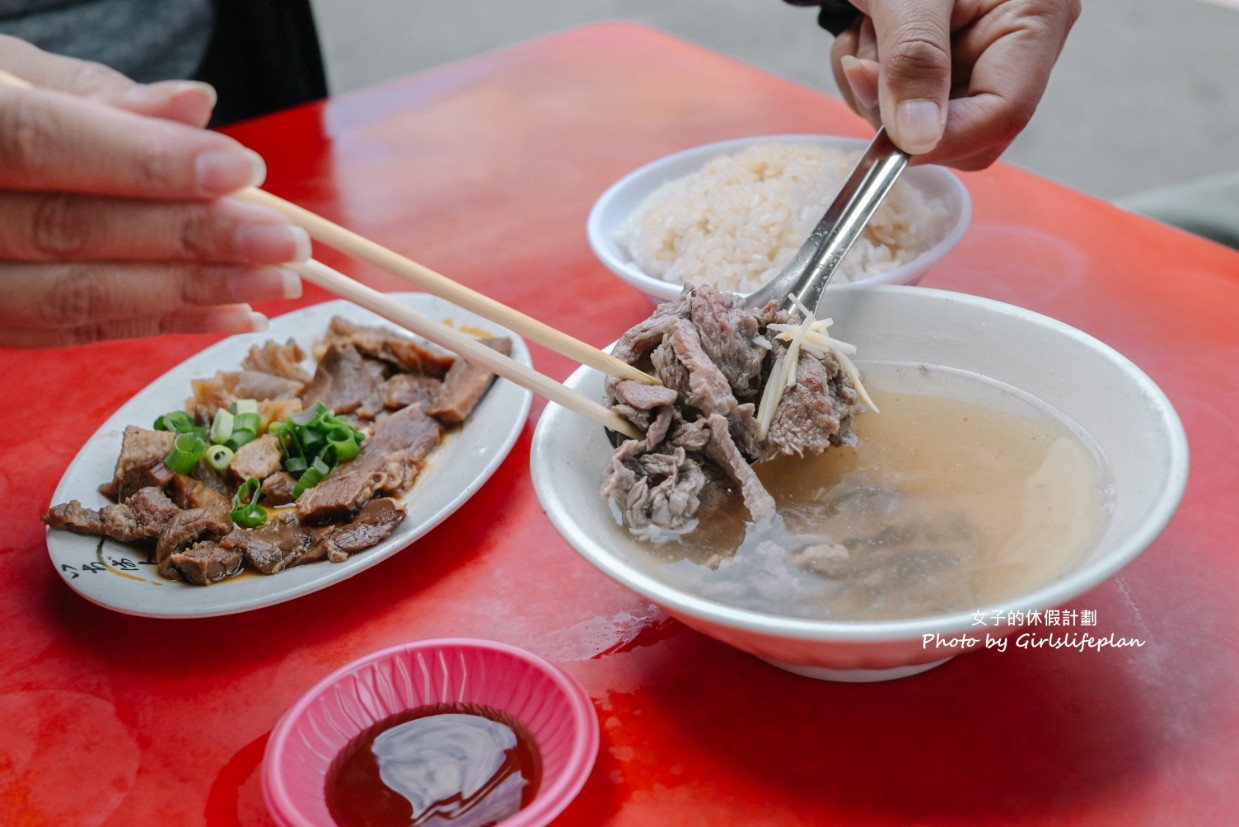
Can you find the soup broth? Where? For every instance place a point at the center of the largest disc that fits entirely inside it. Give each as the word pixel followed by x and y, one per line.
pixel 962 492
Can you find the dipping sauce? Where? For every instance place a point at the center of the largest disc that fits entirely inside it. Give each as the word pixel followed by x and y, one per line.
pixel 962 492
pixel 455 765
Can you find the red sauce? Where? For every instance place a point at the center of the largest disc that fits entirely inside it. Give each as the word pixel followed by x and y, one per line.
pixel 456 765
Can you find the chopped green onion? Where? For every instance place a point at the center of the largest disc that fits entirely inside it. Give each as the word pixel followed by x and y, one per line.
pixel 221 428
pixel 313 442
pixel 312 476
pixel 312 417
pixel 343 442
pixel 240 436
pixel 242 406
pixel 187 449
pixel 247 422
pixel 219 457
pixel 176 421
pixel 246 512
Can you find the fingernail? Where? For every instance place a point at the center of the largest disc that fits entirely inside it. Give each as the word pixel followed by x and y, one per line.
pixel 264 283
pixel 178 88
pixel 154 94
pixel 238 319
pixel 272 243
pixel 862 78
pixel 919 125
pixel 222 171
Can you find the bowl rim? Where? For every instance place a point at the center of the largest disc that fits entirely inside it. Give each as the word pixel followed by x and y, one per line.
pixel 602 242
pixel 549 801
pixel 675 600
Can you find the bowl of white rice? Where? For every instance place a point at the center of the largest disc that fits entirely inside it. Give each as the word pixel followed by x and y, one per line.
pixel 733 214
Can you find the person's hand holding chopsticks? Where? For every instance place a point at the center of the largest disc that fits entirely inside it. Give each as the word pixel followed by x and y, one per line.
pixel 111 204
pixel 113 216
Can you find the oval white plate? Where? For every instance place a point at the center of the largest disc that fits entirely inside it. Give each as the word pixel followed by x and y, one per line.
pixel 124 578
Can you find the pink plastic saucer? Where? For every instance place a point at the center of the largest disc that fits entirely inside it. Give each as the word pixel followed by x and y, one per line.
pixel 553 707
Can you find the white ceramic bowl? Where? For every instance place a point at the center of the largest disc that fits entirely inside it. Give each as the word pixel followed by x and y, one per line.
pixel 1127 416
pixel 615 205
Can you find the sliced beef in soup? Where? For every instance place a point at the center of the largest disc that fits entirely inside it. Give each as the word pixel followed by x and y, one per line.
pixel 714 356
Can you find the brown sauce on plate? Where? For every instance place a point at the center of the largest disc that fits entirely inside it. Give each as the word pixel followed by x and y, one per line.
pixel 445 765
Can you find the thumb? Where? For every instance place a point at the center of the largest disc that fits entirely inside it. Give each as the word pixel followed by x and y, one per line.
pixel 914 50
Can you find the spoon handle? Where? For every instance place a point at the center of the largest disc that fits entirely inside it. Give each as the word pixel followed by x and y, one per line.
pixel 805 278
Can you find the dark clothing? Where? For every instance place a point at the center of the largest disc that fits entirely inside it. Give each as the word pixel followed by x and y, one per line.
pixel 147 40
pixel 263 56
pixel 260 55
pixel 835 15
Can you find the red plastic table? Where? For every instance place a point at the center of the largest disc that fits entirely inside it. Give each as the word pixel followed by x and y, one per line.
pixel 485 170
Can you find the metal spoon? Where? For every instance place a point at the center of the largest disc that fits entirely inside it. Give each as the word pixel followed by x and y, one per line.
pixel 805 278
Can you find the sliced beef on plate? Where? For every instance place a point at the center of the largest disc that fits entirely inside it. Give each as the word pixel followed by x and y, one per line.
pixel 151 473
pixel 140 518
pixel 381 343
pixel 404 389
pixel 186 528
pixel 282 543
pixel 211 477
pixel 346 382
pixel 188 492
pixel 465 385
pixel 286 541
pixel 274 410
pixel 274 545
pixel 390 460
pixel 140 449
pixel 226 387
pixel 278 360
pixel 339 495
pixel 258 458
pixel 277 489
pixel 204 563
pixel 75 517
pixel 373 524
pixel 255 384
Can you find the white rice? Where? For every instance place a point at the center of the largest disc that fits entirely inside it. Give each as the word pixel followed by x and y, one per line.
pixel 738 221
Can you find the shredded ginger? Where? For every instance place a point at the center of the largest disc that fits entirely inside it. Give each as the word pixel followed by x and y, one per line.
pixel 811 337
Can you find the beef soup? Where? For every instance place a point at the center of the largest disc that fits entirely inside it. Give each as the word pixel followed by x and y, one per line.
pixel 396 396
pixel 961 493
pixel 714 415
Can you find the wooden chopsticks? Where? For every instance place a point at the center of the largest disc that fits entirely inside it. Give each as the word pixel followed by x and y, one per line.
pixel 347 241
pixel 461 343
